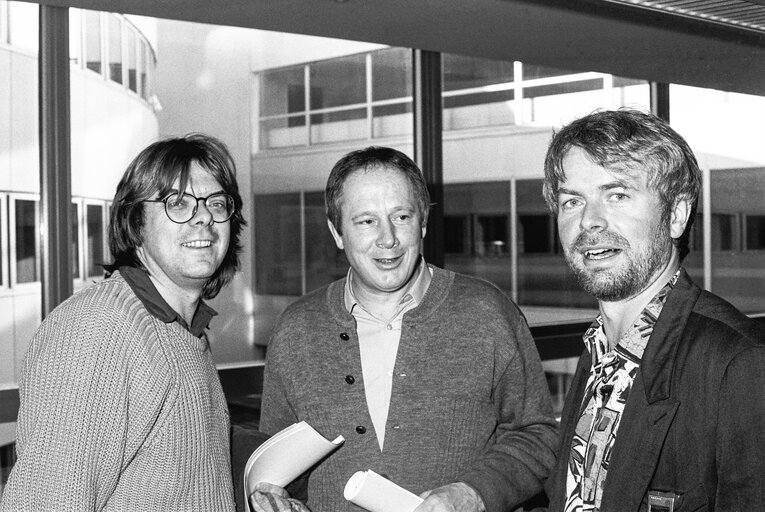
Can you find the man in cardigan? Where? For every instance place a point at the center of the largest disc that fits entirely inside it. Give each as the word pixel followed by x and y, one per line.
pixel 432 377
pixel 121 406
pixel 666 410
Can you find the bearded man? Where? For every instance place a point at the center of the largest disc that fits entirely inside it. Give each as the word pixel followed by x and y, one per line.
pixel 666 409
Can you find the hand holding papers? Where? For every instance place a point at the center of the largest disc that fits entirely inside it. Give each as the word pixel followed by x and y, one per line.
pixel 286 455
pixel 375 493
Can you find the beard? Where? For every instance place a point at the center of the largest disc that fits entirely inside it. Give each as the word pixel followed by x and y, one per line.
pixel 627 280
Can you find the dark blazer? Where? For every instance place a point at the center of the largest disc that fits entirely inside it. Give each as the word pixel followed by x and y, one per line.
pixel 694 422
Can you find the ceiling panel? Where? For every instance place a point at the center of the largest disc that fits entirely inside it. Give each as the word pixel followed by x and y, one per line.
pixel 625 38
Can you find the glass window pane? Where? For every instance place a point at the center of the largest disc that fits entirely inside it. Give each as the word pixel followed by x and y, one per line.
pixel 3 282
pixel 726 135
pixel 460 72
pixel 391 74
pixel 277 251
pixel 755 232
pixel 556 104
pixel 339 126
pixel 115 48
pixel 324 261
pixel 546 286
pixel 283 132
pixel 391 120
pixel 338 82
pixel 27 241
pixel 75 241
pixel 282 92
pixel 131 61
pixel 23 28
pixel 479 213
pixel 534 71
pixel 95 225
pixel 75 37
pixel 479 109
pixel 147 70
pixel 93 40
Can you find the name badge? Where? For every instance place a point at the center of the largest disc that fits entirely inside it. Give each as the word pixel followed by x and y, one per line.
pixel 659 501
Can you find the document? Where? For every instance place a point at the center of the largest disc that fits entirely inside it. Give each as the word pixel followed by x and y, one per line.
pixel 375 493
pixel 286 455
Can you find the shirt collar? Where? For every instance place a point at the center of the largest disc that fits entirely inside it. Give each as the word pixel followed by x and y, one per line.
pixel 633 341
pixel 147 293
pixel 417 288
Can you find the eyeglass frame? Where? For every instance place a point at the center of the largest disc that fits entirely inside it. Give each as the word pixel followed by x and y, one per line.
pixel 230 200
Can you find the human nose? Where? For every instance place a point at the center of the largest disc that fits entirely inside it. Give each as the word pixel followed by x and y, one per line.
pixel 593 217
pixel 386 237
pixel 201 214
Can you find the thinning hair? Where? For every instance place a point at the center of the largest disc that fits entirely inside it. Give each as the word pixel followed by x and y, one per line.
pixel 152 175
pixel 370 158
pixel 629 141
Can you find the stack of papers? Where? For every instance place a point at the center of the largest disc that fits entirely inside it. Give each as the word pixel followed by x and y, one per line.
pixel 286 455
pixel 375 493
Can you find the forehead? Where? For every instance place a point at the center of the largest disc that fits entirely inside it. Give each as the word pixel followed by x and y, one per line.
pixel 199 178
pixel 390 179
pixel 580 169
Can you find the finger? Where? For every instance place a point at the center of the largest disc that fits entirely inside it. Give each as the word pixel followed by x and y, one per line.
pixel 268 502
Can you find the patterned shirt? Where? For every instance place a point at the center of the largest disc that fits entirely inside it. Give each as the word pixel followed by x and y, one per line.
pixel 608 387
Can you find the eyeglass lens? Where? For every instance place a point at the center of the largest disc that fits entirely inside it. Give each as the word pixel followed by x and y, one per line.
pixel 182 207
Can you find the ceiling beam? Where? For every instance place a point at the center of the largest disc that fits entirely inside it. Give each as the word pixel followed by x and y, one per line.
pixel 587 35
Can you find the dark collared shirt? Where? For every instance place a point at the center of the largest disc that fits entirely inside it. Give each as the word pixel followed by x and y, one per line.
pixel 147 293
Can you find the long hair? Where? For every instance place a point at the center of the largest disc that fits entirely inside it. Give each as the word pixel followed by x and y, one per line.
pixel 628 140
pixel 153 173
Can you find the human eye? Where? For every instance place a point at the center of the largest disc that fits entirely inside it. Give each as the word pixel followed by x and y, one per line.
pixel 218 202
pixel 403 217
pixel 364 221
pixel 179 202
pixel 568 203
pixel 618 197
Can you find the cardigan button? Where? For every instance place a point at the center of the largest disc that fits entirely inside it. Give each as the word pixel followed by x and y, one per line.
pixel 344 336
pixel 361 429
pixel 350 379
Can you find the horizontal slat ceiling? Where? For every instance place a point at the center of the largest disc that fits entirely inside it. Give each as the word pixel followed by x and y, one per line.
pixel 734 13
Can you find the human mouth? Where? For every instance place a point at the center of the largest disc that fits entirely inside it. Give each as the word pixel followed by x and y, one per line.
pixel 601 253
pixel 388 261
pixel 197 244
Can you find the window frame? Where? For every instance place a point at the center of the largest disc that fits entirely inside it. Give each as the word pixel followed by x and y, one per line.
pixel 5 275
pixel 12 246
pixel 86 232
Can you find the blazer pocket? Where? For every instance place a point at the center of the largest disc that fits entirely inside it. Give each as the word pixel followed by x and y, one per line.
pixel 694 500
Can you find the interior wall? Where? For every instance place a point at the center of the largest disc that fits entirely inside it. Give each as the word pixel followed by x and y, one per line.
pixel 211 66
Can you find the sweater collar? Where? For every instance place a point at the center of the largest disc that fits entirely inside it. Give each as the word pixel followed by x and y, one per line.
pixel 435 294
pixel 139 281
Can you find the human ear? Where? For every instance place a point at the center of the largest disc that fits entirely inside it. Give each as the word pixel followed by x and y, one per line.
pixel 678 219
pixel 337 236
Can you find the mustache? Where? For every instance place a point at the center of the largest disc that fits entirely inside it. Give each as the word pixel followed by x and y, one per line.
pixel 601 238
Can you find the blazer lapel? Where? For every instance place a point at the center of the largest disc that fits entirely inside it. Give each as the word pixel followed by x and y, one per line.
pixel 639 440
pixel 650 407
pixel 556 484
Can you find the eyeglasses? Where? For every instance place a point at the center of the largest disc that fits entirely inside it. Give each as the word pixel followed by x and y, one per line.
pixel 181 208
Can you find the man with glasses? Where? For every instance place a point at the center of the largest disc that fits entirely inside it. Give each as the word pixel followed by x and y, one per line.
pixel 121 406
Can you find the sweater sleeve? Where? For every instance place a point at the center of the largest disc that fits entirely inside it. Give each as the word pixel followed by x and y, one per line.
pixel 72 431
pixel 514 468
pixel 276 412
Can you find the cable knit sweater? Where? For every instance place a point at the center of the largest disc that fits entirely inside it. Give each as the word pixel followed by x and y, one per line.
pixel 469 400
pixel 119 411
